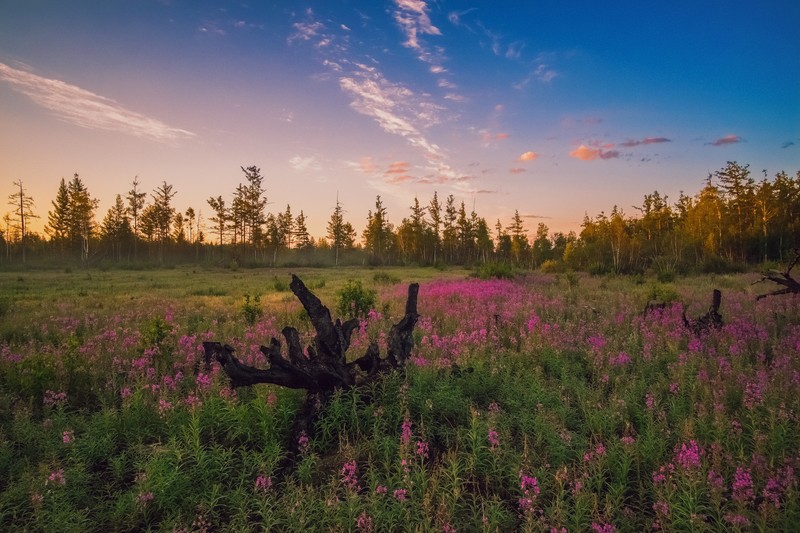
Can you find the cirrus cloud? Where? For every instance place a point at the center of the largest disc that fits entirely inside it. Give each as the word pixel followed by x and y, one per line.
pixel 87 109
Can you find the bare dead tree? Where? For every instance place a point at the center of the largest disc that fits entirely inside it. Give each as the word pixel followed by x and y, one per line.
pixel 711 320
pixel 323 367
pixel 784 279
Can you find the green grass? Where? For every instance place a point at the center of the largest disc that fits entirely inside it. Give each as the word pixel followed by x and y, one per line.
pixel 145 439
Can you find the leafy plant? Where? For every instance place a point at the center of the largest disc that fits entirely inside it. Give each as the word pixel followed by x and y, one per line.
pixel 251 309
pixel 355 300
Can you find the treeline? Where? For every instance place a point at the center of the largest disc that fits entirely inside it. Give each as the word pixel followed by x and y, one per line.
pixel 732 221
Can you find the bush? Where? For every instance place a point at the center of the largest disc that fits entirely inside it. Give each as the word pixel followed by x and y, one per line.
pixel 355 300
pixel 251 309
pixel 495 270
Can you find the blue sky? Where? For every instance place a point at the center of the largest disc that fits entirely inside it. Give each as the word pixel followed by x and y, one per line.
pixel 552 109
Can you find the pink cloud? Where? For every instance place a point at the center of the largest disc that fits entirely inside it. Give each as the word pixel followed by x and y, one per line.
pixel 584 153
pixel 367 166
pixel 517 170
pixel 527 156
pixel 398 167
pixel 488 136
pixel 728 139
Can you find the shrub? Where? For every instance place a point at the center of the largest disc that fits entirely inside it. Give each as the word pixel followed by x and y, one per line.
pixel 495 270
pixel 355 300
pixel 251 309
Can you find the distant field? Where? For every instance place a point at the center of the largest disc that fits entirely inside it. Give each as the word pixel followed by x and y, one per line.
pixel 532 403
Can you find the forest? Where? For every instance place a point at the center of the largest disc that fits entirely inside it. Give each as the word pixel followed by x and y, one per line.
pixel 735 220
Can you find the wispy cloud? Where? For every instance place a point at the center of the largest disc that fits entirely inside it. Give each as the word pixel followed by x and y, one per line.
pixel 395 108
pixel 646 140
pixel 413 19
pixel 527 156
pixel 517 170
pixel 302 164
pixel 787 144
pixel 585 153
pixel 727 139
pixel 87 109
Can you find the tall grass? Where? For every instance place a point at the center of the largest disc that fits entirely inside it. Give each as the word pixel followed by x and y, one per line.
pixel 530 404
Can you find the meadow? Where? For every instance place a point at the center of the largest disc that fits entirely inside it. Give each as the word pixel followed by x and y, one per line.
pixel 535 403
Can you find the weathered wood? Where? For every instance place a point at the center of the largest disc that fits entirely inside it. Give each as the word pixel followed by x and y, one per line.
pixel 711 320
pixel 323 367
pixel 785 279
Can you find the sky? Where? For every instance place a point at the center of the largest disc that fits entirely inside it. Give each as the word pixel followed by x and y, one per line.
pixel 552 109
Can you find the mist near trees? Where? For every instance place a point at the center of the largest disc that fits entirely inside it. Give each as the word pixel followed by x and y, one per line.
pixel 734 219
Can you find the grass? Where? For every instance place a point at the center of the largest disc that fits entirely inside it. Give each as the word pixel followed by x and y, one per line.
pixel 531 403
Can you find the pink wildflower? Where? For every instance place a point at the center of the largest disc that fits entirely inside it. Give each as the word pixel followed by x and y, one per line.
pixel 263 483
pixel 715 481
pixel 530 490
pixel 164 406
pixel 737 520
pixel 302 442
pixel 56 477
pixel 649 401
pixel 688 455
pixel 54 399
pixel 405 437
pixel 381 489
pixel 400 494
pixel 144 497
pixel 661 508
pixel 422 449
pixel 742 485
pixel 349 477
pixel 364 523
pixel 67 436
pixel 494 439
pixel 603 528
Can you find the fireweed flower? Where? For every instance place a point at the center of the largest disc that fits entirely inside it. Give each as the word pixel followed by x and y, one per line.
pixel 263 483
pixel 405 437
pixel 144 497
pixel 56 477
pixel 422 449
pixel 742 485
pixel 349 477
pixel 603 528
pixel 688 455
pixel 364 523
pixel 530 490
pixel 494 439
pixel 302 442
pixel 400 494
pixel 67 436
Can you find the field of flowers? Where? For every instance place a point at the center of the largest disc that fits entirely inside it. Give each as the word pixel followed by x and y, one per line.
pixel 541 403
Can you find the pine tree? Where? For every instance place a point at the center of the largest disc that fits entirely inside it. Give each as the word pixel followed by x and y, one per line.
pixel 81 216
pixel 136 201
pixel 302 238
pixel 58 219
pixel 220 218
pixel 116 228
